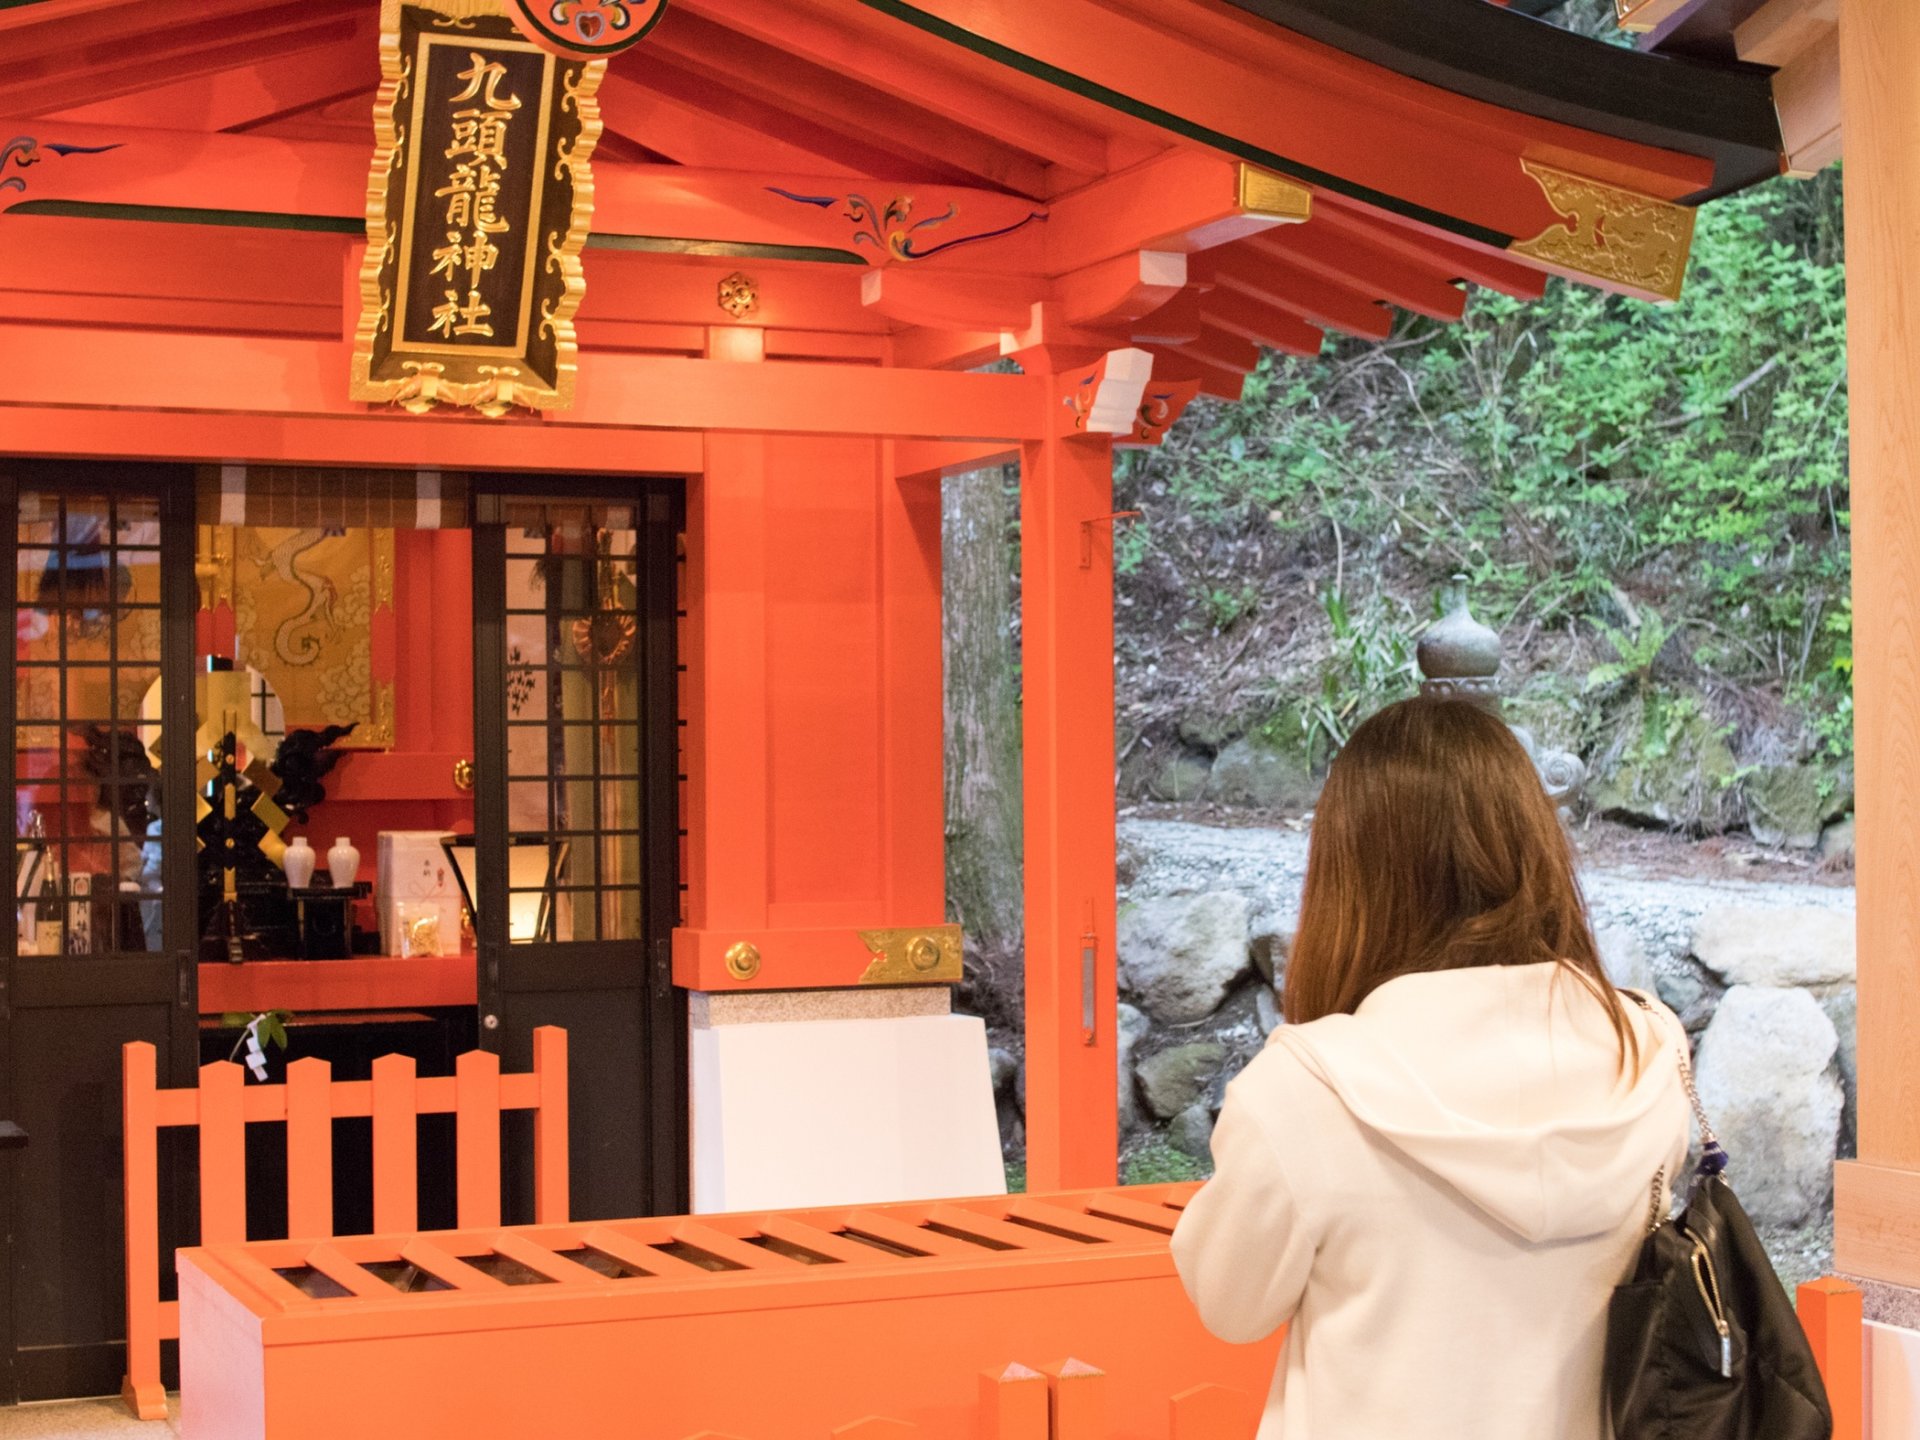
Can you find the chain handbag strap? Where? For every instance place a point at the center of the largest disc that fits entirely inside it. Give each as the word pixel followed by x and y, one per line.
pixel 1713 1156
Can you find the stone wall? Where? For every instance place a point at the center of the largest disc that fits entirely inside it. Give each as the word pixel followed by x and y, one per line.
pixel 1760 974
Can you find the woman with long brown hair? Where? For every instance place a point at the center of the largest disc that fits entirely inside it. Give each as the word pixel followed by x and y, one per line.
pixel 1445 1160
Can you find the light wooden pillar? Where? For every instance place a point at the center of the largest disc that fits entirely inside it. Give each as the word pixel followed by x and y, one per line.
pixel 1877 1230
pixel 1066 606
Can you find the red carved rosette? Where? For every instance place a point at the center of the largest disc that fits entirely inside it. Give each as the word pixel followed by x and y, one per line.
pixel 586 29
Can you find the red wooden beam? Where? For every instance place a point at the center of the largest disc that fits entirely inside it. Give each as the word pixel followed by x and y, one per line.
pixel 695 135
pixel 294 79
pixel 1124 288
pixel 35 31
pixel 343 119
pixel 1318 107
pixel 1185 200
pixel 1348 260
pixel 1222 351
pixel 123 273
pixel 949 457
pixel 1174 323
pixel 746 106
pixel 900 62
pixel 880 118
pixel 1172 364
pixel 1287 287
pixel 272 376
pixel 1452 257
pixel 924 349
pixel 387 439
pixel 262 174
pixel 950 300
pixel 132 60
pixel 1256 320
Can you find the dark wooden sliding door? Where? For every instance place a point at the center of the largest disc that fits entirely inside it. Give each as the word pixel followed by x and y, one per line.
pixel 101 950
pixel 576 819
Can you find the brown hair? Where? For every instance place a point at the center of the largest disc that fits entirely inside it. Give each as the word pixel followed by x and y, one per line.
pixel 1435 847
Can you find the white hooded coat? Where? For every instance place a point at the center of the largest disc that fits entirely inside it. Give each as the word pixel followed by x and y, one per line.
pixel 1439 1192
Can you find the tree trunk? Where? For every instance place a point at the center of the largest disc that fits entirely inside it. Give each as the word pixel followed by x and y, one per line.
pixel 983 816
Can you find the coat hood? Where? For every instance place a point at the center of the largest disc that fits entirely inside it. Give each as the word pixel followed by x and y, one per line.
pixel 1505 1082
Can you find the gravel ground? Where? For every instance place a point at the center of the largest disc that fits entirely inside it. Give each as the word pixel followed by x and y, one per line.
pixel 1172 857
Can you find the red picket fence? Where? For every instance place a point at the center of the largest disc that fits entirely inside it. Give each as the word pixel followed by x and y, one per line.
pixel 1830 1313
pixel 223 1105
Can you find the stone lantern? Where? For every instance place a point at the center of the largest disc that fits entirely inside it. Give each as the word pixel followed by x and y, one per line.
pixel 1459 659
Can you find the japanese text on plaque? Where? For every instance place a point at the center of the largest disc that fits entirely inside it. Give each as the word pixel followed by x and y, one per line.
pixel 481 116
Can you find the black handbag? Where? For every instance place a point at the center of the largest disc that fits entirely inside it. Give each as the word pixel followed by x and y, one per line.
pixel 1702 1342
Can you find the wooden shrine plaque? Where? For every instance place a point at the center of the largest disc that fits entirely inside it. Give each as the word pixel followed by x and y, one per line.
pixel 478 205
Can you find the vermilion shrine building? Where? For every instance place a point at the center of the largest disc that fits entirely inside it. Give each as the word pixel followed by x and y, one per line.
pixel 639 585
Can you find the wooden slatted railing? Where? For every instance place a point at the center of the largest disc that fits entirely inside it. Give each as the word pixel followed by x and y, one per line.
pixel 223 1105
pixel 413 1319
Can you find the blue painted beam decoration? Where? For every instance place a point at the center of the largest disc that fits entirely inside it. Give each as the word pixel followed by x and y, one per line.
pixel 23 150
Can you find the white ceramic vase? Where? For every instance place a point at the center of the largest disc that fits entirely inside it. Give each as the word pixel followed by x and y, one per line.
pixel 343 862
pixel 298 862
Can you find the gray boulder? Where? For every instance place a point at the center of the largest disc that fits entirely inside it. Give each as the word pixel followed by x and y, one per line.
pixel 1179 956
pixel 1789 805
pixel 1764 1078
pixel 1759 945
pixel 1625 959
pixel 1266 1009
pixel 1843 1009
pixel 1264 777
pixel 1837 844
pixel 1191 1132
pixel 1688 993
pixel 1002 1066
pixel 1181 776
pixel 1132 1028
pixel 1176 1079
pixel 1205 731
pixel 1271 934
pixel 1687 783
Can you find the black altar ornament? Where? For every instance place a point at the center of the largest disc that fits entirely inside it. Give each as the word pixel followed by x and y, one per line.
pixel 304 759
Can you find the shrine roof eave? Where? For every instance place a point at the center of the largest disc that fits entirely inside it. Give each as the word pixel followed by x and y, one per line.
pixel 1507 58
pixel 1507 62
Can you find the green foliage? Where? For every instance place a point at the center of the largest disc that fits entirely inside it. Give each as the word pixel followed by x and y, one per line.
pixel 1155 1162
pixel 1016 1176
pixel 1372 665
pixel 269 1026
pixel 1634 654
pixel 1226 606
pixel 1562 454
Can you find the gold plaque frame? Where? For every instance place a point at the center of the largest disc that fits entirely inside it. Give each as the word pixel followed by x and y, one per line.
pixel 483 379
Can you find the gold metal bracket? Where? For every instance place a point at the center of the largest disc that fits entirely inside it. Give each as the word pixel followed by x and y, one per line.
pixel 1620 238
pixel 914 956
pixel 1273 197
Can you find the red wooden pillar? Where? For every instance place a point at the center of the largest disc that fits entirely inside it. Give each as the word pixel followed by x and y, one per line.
pixel 726 699
pixel 1066 606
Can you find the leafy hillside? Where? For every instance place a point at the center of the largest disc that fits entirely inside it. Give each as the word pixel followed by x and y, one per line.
pixel 1649 502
